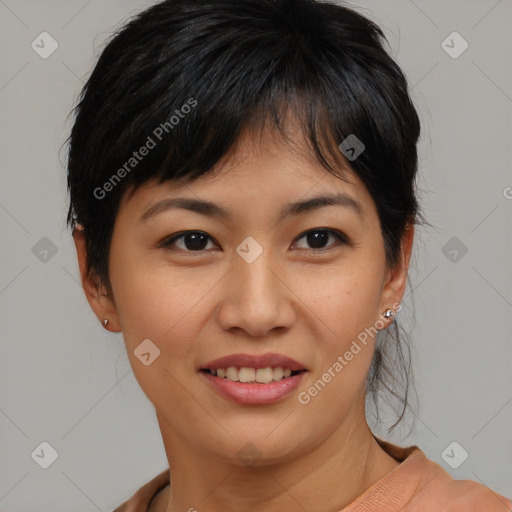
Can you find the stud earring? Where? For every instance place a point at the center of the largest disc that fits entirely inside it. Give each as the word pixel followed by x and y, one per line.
pixel 105 322
pixel 389 313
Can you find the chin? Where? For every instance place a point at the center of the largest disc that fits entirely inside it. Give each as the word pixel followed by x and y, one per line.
pixel 260 445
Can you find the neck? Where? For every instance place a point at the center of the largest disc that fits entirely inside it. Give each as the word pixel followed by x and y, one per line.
pixel 332 474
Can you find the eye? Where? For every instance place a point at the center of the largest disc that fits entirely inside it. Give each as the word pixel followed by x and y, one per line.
pixel 193 241
pixel 317 238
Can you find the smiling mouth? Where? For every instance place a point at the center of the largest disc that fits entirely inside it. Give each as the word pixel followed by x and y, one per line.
pixel 253 375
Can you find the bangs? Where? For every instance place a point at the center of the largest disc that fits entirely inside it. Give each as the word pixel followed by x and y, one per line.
pixel 183 90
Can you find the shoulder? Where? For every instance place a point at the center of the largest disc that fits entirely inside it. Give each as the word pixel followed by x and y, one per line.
pixel 140 501
pixel 438 491
pixel 419 484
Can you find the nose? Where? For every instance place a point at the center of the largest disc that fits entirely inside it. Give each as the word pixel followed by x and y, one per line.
pixel 257 298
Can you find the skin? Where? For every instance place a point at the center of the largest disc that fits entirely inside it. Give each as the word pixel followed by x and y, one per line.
pixel 307 305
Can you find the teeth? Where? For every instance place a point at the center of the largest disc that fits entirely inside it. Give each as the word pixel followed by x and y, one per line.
pixel 232 373
pixel 245 374
pixel 277 373
pixel 264 375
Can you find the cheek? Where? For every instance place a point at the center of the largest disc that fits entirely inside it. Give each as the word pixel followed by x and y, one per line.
pixel 162 304
pixel 346 306
pixel 149 303
pixel 345 303
pixel 345 299
pixel 152 304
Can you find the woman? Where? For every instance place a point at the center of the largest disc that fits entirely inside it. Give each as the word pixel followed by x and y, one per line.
pixel 242 181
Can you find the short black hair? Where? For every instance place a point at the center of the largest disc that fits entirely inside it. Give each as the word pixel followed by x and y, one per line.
pixel 184 78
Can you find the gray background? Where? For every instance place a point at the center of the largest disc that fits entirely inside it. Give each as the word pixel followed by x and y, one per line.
pixel 66 381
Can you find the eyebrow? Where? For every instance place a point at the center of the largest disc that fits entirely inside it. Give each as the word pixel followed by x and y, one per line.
pixel 292 209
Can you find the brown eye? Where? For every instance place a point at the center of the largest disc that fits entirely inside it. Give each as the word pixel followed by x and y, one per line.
pixel 192 241
pixel 318 238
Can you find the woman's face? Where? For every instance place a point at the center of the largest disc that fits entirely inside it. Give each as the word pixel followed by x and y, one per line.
pixel 252 283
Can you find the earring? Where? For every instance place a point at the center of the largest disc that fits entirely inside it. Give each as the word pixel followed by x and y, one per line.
pixel 105 322
pixel 389 313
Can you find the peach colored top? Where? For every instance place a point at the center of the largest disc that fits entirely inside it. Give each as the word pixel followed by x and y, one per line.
pixel 416 485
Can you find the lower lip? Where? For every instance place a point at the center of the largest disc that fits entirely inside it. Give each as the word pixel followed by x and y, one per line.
pixel 254 393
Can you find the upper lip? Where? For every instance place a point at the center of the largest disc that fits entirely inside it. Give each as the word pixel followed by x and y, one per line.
pixel 254 361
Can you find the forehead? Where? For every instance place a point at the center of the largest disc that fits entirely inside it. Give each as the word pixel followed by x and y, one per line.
pixel 262 169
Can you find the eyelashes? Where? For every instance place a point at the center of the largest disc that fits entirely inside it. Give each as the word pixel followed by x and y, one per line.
pixel 196 238
pixel 197 241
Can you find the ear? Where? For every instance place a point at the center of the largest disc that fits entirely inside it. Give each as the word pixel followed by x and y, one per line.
pixel 396 279
pixel 97 296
